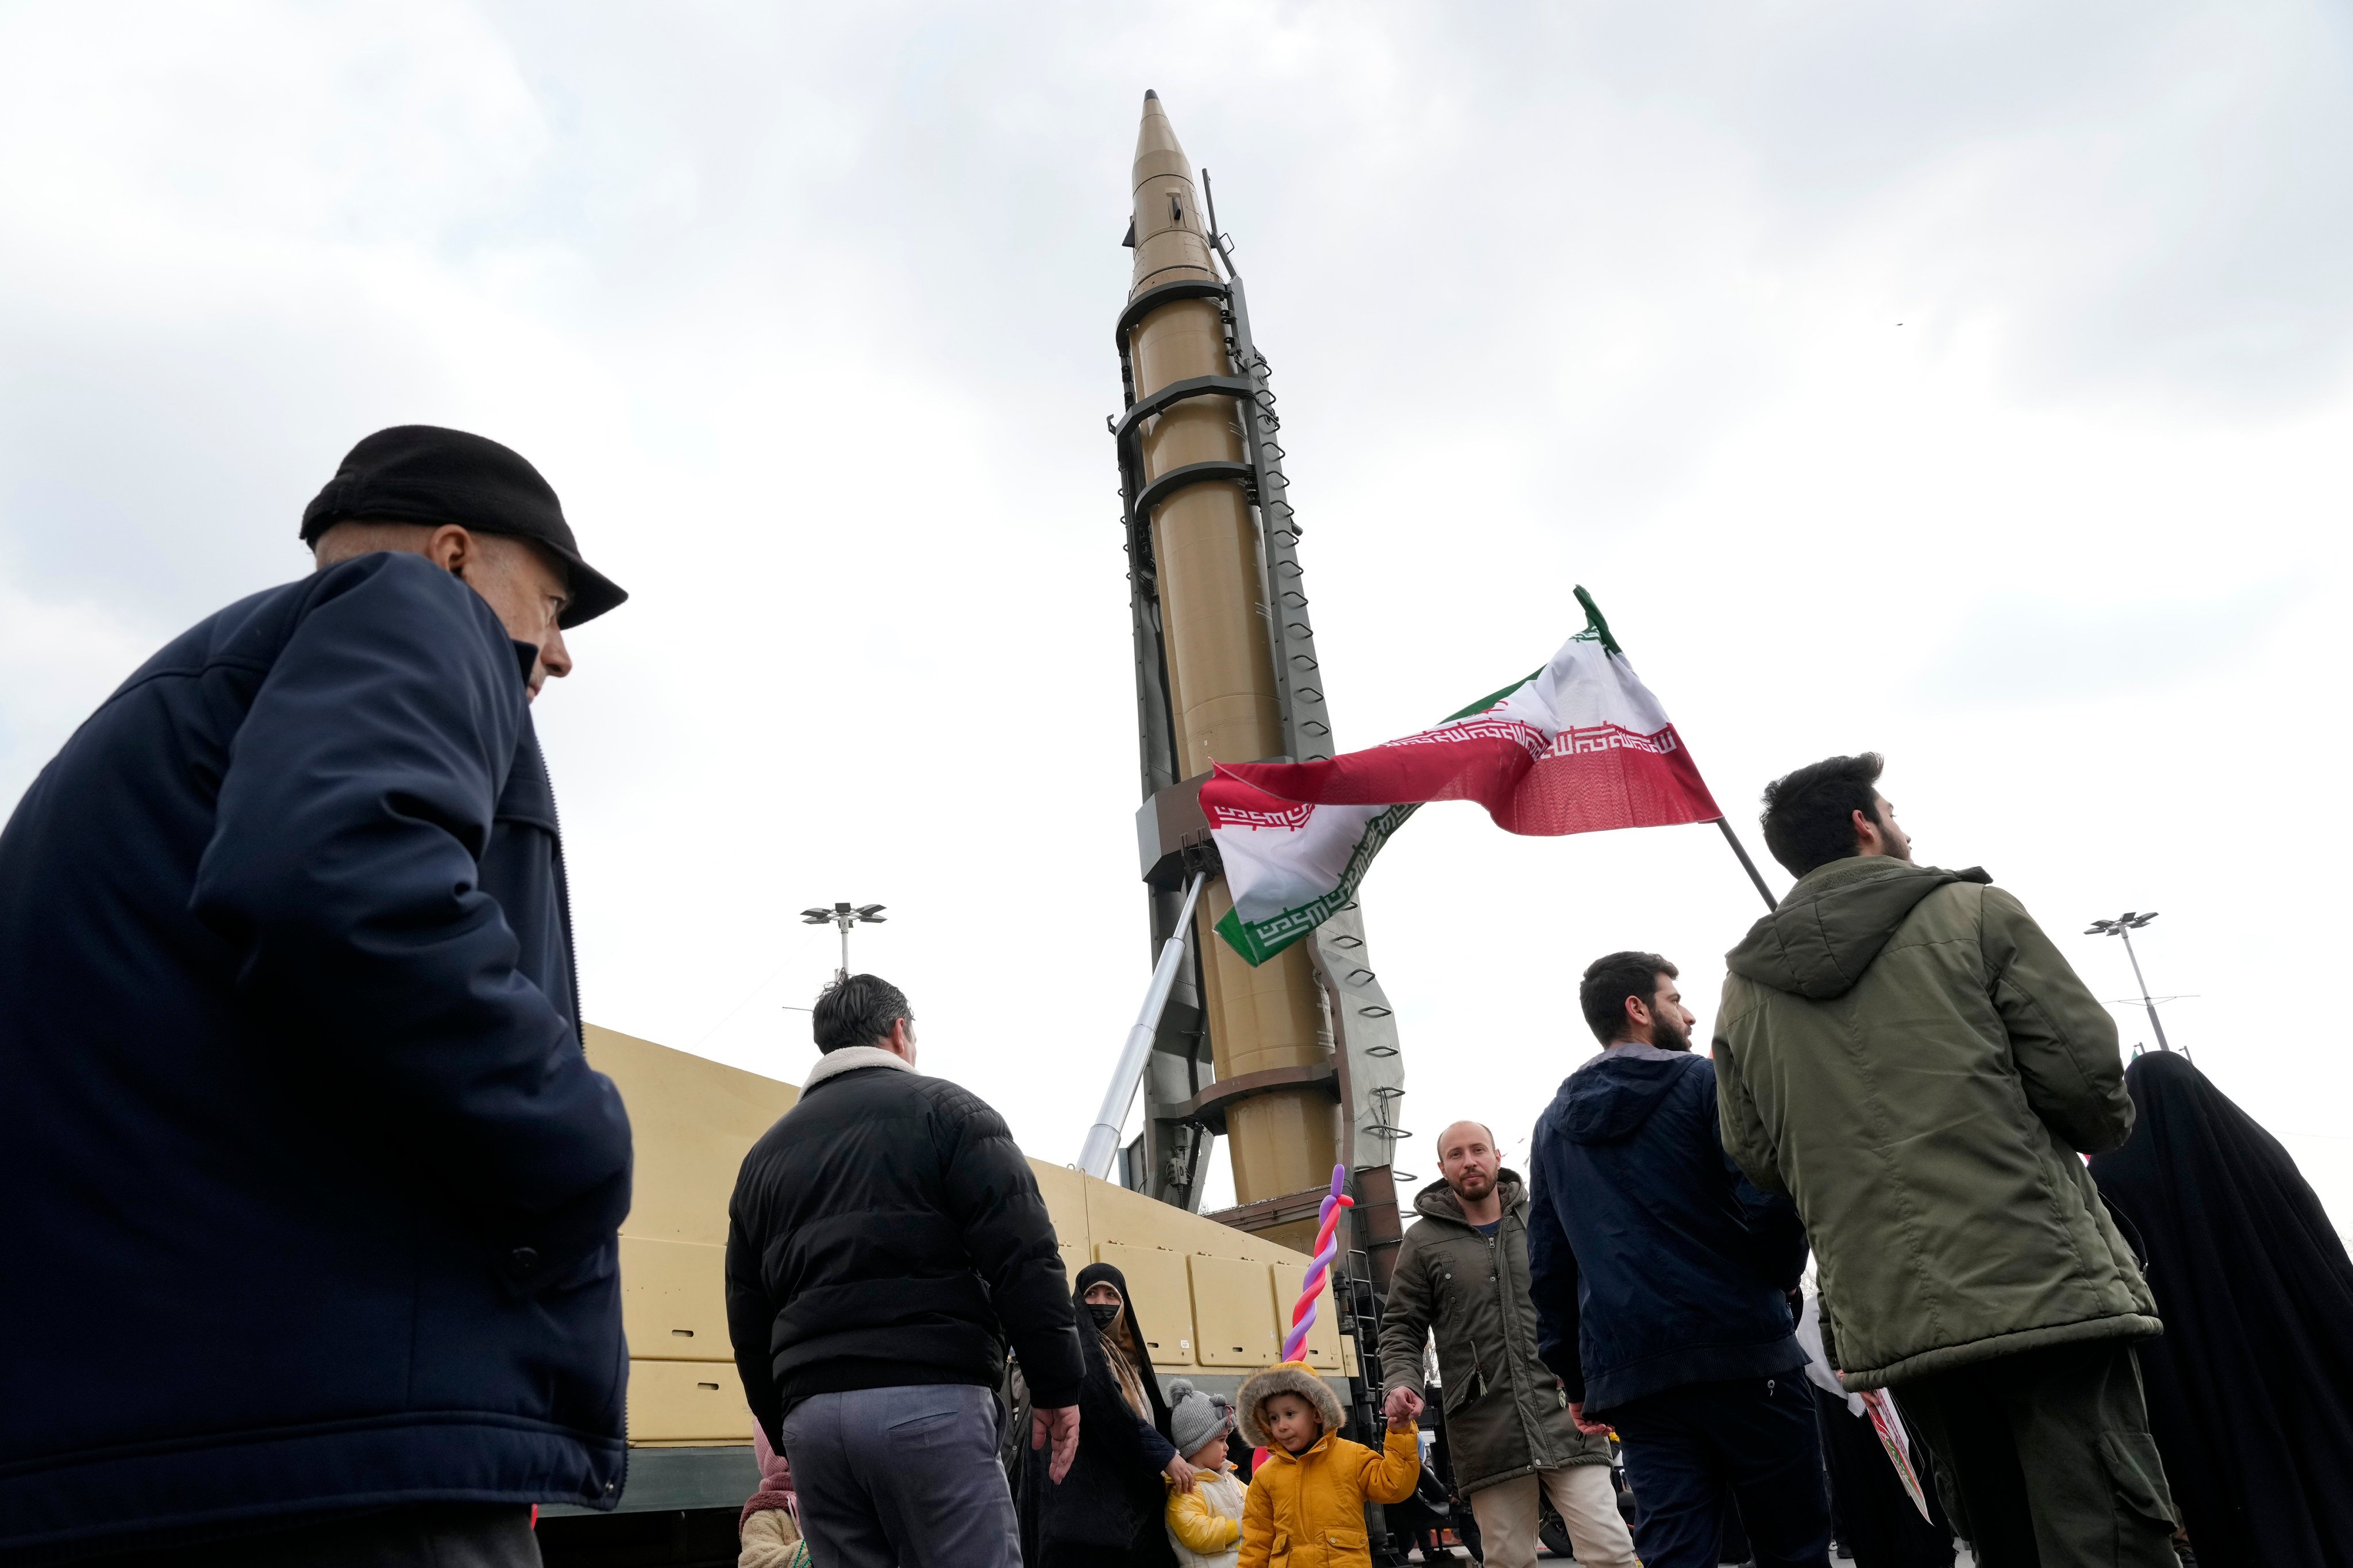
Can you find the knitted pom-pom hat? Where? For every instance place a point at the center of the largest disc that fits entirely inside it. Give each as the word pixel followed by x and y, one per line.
pixel 1196 1415
pixel 1285 1377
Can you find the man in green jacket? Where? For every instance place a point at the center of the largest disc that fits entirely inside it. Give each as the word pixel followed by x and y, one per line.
pixel 1903 1052
pixel 1462 1274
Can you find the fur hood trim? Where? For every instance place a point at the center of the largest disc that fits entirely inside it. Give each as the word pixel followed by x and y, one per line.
pixel 1286 1377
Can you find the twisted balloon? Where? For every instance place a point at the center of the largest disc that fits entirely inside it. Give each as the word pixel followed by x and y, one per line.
pixel 1327 1248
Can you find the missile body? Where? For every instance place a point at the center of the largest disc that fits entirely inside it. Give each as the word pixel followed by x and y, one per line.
pixel 1224 685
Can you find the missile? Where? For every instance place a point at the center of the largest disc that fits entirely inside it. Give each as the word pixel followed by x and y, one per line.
pixel 1207 645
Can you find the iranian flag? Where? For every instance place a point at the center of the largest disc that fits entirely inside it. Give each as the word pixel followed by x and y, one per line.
pixel 1578 746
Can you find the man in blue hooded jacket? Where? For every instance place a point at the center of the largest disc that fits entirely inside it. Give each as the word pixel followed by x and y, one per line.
pixel 311 1194
pixel 1662 1280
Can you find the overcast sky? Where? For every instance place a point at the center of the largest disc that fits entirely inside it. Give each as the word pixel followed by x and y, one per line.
pixel 1965 383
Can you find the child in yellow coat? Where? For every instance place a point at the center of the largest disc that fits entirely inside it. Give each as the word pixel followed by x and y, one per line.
pixel 1305 1508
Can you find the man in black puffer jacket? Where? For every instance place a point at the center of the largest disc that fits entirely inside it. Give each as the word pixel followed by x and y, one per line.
pixel 312 1197
pixel 1662 1280
pixel 885 1240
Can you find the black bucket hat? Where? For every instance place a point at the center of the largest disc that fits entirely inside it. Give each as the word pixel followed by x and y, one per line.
pixel 422 473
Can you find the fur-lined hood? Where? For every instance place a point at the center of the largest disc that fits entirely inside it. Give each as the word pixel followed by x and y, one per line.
pixel 1287 1377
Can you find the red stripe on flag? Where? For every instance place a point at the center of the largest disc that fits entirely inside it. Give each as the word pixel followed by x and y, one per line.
pixel 1619 786
pixel 1587 780
pixel 1228 802
pixel 1485 768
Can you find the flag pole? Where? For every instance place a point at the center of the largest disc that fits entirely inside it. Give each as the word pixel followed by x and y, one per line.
pixel 1746 864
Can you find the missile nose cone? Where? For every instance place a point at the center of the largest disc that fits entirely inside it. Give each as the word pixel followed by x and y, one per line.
pixel 1171 241
pixel 1155 136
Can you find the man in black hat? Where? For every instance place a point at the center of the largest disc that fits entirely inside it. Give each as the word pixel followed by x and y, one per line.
pixel 310 1239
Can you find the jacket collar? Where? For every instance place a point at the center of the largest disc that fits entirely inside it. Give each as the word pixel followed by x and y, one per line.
pixel 1321 1445
pixel 1439 1201
pixel 850 1059
pixel 1638 1051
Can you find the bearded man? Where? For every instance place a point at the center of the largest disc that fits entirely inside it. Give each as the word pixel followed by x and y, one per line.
pixel 1904 1052
pixel 1662 1280
pixel 1463 1277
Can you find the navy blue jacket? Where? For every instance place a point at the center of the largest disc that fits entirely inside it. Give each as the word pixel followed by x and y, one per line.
pixel 309 1195
pixel 1654 1262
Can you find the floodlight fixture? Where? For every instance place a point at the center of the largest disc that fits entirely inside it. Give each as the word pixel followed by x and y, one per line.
pixel 843 916
pixel 2123 926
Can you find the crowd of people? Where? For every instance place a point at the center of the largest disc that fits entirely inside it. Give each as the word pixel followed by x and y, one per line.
pixel 312 1237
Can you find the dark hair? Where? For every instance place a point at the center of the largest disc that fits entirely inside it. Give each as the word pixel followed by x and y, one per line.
pixel 1808 818
pixel 858 1011
pixel 1610 980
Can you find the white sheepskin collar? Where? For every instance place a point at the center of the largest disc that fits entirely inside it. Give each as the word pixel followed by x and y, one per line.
pixel 850 1059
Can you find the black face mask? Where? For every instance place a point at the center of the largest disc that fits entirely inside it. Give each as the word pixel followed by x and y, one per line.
pixel 1104 1314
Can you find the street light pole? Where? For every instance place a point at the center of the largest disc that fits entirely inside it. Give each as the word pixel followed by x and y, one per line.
pixel 2123 925
pixel 2143 984
pixel 843 916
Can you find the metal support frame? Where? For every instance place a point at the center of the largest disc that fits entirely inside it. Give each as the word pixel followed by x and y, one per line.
pixel 1178 392
pixel 1358 1306
pixel 1356 1302
pixel 1102 1139
pixel 1299 687
pixel 1173 1156
pixel 1209 473
pixel 1183 1110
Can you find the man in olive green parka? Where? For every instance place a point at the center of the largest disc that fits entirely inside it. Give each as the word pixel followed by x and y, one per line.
pixel 1463 1277
pixel 1903 1052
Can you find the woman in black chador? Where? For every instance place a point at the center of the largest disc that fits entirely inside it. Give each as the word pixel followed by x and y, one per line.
pixel 1109 1511
pixel 2251 1388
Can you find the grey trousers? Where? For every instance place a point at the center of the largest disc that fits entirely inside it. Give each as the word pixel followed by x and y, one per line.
pixel 903 1477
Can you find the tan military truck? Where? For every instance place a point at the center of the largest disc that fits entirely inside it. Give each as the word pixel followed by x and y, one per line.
pixel 1212 1301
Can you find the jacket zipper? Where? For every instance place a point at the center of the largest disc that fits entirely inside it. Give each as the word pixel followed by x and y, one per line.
pixel 1497 1254
pixel 1503 1308
pixel 580 1043
pixel 1494 1278
pixel 564 905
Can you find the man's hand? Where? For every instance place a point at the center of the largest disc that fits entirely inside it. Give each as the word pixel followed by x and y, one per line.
pixel 1403 1409
pixel 1590 1428
pixel 1179 1473
pixel 1395 1402
pixel 1063 1427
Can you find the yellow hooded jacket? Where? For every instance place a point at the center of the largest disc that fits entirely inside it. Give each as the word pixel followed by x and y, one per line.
pixel 1307 1510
